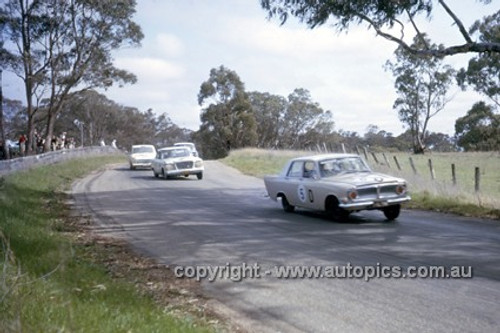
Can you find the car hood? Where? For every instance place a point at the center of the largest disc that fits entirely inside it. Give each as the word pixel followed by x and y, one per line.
pixel 143 155
pixel 364 178
pixel 181 159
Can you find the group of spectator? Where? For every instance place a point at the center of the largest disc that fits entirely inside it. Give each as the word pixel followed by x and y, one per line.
pixel 38 146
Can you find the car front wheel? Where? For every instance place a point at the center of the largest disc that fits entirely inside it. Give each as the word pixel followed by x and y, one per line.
pixel 199 175
pixel 286 205
pixel 392 212
pixel 334 211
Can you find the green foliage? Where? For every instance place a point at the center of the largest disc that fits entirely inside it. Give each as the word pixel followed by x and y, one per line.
pixel 294 123
pixel 483 71
pixel 479 129
pixel 227 117
pixel 107 120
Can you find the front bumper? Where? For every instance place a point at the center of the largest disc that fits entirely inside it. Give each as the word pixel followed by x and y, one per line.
pixel 140 163
pixel 184 172
pixel 373 204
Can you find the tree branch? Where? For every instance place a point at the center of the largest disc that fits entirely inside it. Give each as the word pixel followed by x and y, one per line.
pixel 419 34
pixel 452 50
pixel 461 27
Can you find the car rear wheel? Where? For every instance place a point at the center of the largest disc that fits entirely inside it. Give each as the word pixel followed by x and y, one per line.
pixel 199 175
pixel 392 212
pixel 286 205
pixel 164 174
pixel 155 173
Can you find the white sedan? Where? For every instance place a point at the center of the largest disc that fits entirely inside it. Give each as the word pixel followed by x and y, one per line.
pixel 338 184
pixel 175 162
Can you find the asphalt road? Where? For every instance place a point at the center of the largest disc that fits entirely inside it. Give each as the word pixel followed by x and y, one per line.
pixel 227 220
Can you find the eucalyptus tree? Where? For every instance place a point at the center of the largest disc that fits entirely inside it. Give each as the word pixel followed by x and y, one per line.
pixel 479 129
pixel 483 71
pixel 227 118
pixel 392 20
pixel 301 116
pixel 422 83
pixel 269 111
pixel 58 47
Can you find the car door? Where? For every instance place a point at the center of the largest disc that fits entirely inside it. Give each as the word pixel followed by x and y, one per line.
pixel 306 185
pixel 155 163
pixel 291 182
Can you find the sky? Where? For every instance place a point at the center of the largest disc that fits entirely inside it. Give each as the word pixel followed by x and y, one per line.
pixel 185 39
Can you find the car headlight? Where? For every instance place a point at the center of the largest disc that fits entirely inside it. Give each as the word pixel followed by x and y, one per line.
pixel 169 166
pixel 198 164
pixel 401 189
pixel 352 194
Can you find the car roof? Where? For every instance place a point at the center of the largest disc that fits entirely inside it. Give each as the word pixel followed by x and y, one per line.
pixel 172 148
pixel 183 144
pixel 142 146
pixel 320 157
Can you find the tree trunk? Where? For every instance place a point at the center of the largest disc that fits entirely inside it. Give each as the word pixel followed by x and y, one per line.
pixel 50 132
pixel 5 146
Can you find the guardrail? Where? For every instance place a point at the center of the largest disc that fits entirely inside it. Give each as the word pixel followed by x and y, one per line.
pixel 27 162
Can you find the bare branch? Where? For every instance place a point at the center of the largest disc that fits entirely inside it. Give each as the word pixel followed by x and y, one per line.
pixel 457 22
pixel 419 34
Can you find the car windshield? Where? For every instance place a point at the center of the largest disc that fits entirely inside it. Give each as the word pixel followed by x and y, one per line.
pixel 171 153
pixel 187 145
pixel 335 166
pixel 136 150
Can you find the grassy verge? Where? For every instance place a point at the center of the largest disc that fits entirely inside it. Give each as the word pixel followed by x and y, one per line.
pixel 54 277
pixel 426 194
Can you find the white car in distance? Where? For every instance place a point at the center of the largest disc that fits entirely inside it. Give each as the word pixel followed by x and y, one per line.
pixel 177 161
pixel 189 145
pixel 141 156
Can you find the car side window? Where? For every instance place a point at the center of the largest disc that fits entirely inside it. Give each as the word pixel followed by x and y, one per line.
pixel 296 169
pixel 310 169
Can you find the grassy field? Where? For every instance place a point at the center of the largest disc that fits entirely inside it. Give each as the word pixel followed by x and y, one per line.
pixel 439 194
pixel 50 281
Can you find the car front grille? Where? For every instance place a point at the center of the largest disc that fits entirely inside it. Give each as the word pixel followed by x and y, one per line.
pixel 184 165
pixel 377 192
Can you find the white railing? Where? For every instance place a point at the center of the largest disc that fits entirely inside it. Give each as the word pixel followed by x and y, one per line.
pixel 24 163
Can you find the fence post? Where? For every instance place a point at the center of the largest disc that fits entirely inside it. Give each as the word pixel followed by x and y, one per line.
pixel 365 151
pixel 397 162
pixel 386 161
pixel 375 157
pixel 343 147
pixel 413 166
pixel 477 178
pixel 453 174
pixel 433 175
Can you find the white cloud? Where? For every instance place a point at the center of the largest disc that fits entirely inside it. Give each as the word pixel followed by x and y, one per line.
pixel 150 70
pixel 169 45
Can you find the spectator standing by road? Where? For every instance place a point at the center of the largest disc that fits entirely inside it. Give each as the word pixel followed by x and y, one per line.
pixel 22 144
